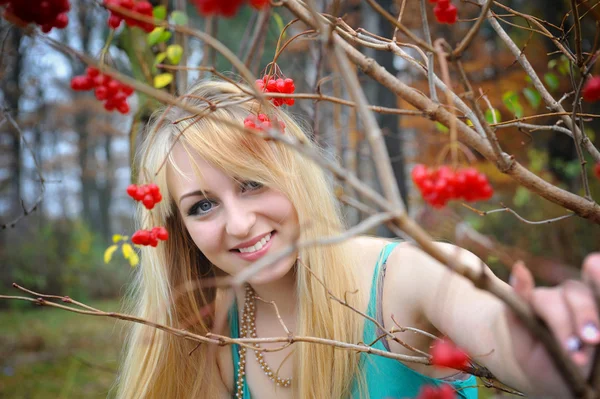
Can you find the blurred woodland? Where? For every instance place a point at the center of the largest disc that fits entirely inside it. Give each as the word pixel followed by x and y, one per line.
pixel 55 234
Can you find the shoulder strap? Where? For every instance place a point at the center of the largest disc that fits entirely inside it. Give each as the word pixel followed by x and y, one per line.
pixel 375 284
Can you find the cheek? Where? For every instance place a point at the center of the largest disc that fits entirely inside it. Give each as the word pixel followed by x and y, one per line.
pixel 284 212
pixel 206 237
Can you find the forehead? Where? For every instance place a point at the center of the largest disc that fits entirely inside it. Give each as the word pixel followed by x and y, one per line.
pixel 187 169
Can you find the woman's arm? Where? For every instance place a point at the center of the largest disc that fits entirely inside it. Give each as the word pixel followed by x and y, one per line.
pixel 474 319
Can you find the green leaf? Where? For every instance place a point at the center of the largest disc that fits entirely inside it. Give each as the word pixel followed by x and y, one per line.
pixel 522 196
pixel 552 64
pixel 174 53
pixel 564 65
pixel 511 101
pixel 493 116
pixel 279 23
pixel 162 80
pixel 533 97
pixel 155 35
pixel 109 253
pixel 179 18
pixel 552 81
pixel 441 127
pixel 160 57
pixel 159 12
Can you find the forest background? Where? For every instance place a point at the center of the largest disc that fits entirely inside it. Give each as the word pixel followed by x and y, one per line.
pixel 84 153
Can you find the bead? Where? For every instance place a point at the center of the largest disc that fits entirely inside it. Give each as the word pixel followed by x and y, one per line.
pixel 248 329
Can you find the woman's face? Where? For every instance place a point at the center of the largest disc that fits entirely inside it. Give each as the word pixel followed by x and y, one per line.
pixel 237 222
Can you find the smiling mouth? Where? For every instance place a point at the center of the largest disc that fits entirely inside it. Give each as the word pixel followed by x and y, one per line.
pixel 256 247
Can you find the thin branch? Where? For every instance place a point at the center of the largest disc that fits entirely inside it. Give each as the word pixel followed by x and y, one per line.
pixel 507 209
pixel 466 41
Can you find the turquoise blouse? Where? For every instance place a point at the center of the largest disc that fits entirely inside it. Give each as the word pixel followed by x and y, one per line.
pixel 384 377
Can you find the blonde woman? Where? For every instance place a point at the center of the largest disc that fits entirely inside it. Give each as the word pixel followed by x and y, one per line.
pixel 230 198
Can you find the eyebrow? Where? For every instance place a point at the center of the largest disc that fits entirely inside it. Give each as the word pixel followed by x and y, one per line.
pixel 193 193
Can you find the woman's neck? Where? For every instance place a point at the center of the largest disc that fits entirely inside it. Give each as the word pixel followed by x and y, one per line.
pixel 282 292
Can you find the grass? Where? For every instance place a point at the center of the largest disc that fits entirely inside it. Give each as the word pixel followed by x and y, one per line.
pixel 52 353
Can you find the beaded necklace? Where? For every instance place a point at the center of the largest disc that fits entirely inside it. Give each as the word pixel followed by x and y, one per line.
pixel 248 330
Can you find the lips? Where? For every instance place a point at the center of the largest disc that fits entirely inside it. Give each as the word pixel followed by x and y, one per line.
pixel 252 256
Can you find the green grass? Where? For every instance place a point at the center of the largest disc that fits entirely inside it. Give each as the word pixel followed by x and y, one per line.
pixel 52 353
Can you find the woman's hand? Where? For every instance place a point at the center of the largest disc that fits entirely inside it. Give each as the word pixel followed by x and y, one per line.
pixel 570 312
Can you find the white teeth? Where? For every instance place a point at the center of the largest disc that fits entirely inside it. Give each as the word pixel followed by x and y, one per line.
pixel 257 246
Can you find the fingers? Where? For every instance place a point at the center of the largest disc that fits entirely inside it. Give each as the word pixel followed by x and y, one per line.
pixel 522 281
pixel 552 308
pixel 591 270
pixel 584 314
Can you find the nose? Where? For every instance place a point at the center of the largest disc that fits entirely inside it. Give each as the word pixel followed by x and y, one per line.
pixel 240 220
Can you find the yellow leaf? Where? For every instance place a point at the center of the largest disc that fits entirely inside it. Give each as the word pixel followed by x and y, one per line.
pixel 130 255
pixel 109 253
pixel 134 259
pixel 118 237
pixel 174 53
pixel 162 80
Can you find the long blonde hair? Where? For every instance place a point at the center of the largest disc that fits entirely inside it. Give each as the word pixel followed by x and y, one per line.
pixel 157 364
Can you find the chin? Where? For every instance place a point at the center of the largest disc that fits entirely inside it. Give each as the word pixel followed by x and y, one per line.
pixel 273 273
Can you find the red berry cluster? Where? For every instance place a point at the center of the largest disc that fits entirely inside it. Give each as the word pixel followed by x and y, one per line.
pixel 261 122
pixel 597 170
pixel 112 92
pixel 445 354
pixel 269 84
pixel 141 7
pixel 591 90
pixel 445 12
pixel 225 8
pixel 443 391
pixel 150 237
pixel 47 13
pixel 440 185
pixel 149 194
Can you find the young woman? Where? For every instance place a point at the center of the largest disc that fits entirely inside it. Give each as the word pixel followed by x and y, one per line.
pixel 230 198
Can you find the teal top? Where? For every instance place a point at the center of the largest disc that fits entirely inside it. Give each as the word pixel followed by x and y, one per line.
pixel 384 377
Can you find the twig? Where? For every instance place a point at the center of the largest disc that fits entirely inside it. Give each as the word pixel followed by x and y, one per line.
pixel 38 200
pixel 507 209
pixel 577 25
pixel 430 63
pixel 466 41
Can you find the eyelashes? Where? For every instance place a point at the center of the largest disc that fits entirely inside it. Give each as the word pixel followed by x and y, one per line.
pixel 205 206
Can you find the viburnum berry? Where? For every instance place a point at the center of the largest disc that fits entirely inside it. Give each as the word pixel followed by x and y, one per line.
pixel 443 184
pixel 597 170
pixel 47 14
pixel 150 237
pixel 591 90
pixel 445 12
pixel 141 7
pixel 269 84
pixel 258 4
pixel 148 194
pixel 225 8
pixel 112 92
pixel 445 354
pixel 443 391
pixel 261 122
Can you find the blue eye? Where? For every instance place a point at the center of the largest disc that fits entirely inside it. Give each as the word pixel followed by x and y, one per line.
pixel 201 208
